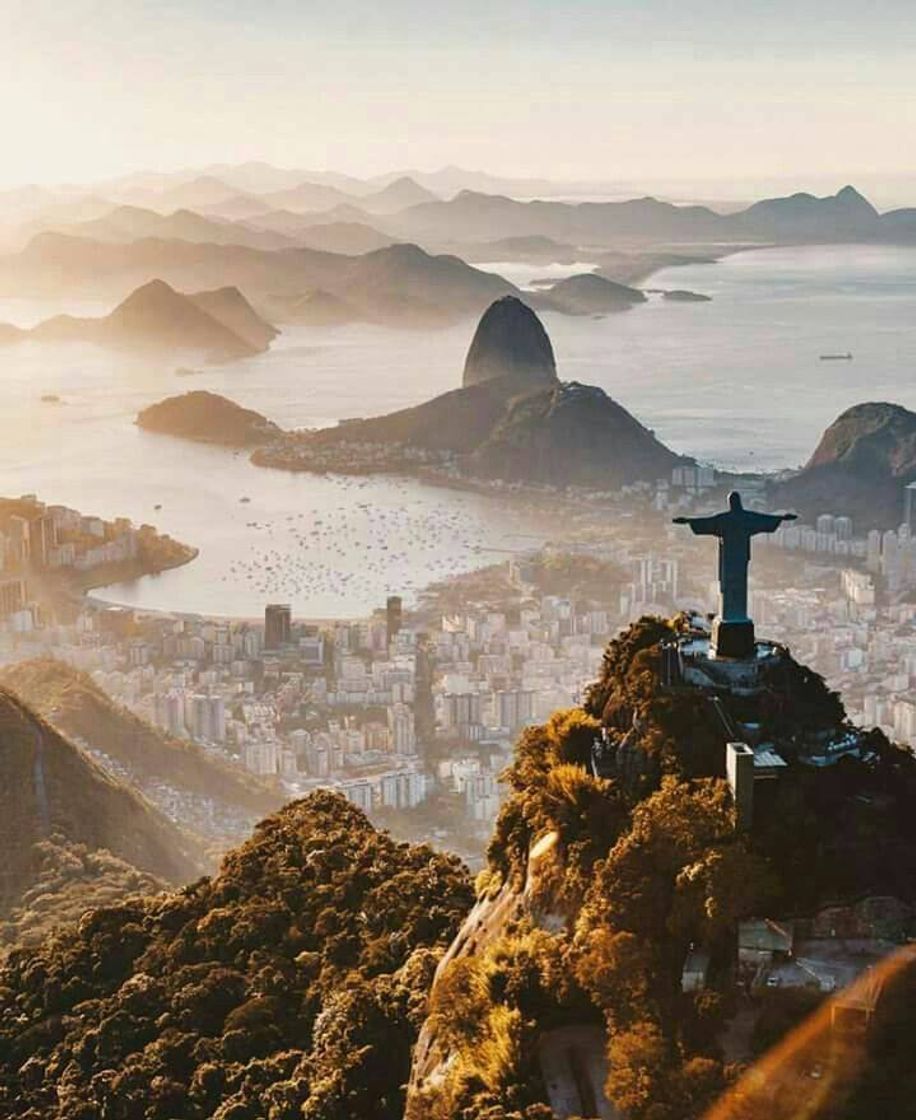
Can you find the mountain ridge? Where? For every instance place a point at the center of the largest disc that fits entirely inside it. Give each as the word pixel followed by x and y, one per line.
pixel 220 324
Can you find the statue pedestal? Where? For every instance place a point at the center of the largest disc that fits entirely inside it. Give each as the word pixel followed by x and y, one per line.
pixel 734 640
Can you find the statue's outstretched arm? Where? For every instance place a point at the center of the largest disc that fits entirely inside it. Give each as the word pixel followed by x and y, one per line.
pixel 768 522
pixel 702 526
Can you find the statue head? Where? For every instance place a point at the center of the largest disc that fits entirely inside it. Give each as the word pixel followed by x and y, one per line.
pixel 734 501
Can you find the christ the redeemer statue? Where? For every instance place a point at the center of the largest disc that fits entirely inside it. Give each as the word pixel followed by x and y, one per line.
pixel 732 629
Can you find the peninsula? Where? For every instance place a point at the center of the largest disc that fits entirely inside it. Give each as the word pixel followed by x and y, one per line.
pixel 58 553
pixel 513 422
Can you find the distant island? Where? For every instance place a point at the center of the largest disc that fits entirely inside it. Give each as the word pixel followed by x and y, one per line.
pixel 681 295
pixel 208 418
pixel 220 325
pixel 588 294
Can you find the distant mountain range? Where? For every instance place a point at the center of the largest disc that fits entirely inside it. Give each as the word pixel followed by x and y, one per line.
pixel 219 325
pixel 314 253
pixel 471 216
pixel 399 284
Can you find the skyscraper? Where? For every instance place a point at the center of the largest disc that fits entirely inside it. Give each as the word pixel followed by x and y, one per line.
pixel 278 624
pixel 393 616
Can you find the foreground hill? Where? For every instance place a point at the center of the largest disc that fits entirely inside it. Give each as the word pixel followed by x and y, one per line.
pixel 598 971
pixel 75 705
pixel 290 985
pixel 299 981
pixel 220 325
pixel 55 801
pixel 860 467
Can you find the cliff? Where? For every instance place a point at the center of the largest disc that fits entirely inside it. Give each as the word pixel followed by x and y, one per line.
pixel 510 341
pixel 52 792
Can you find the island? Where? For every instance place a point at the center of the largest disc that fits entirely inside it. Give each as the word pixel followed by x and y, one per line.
pixel 208 418
pixel 682 295
pixel 588 294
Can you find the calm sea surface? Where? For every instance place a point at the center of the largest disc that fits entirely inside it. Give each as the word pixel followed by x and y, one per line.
pixel 737 382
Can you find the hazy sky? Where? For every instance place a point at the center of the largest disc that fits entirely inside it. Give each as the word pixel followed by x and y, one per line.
pixel 613 89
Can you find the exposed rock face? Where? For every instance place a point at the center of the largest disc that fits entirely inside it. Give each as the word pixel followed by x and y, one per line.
pixel 52 789
pixel 78 709
pixel 208 418
pixel 860 467
pixel 510 341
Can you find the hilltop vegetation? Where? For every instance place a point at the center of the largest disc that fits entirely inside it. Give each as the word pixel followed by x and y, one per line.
pixel 291 985
pixel 605 883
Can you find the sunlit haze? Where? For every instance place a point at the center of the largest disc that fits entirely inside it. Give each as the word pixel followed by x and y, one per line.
pixel 458 560
pixel 722 98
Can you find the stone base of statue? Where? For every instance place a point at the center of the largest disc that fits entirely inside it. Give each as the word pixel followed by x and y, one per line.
pixel 733 639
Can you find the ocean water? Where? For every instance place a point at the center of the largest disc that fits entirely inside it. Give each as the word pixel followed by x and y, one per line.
pixel 737 382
